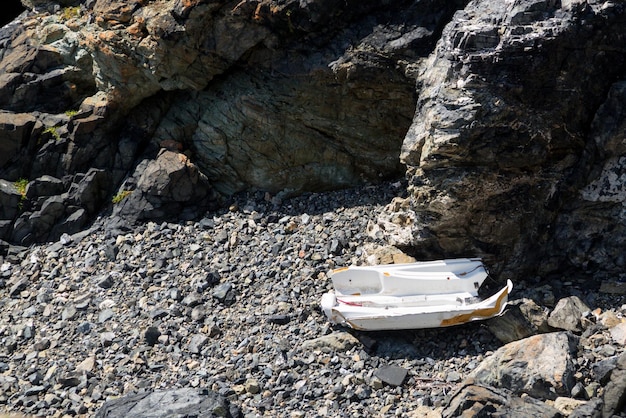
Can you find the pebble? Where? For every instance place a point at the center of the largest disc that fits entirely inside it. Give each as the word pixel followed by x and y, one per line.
pixel 229 303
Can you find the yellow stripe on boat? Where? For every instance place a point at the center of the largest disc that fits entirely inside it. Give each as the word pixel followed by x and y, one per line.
pixel 478 313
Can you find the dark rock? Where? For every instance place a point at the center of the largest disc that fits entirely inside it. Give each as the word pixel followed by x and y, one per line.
pixel 69 381
pixel 92 190
pixel 5 232
pixel 15 131
pixel 521 319
pixel 613 287
pixel 395 346
pixel 9 200
pixel 483 142
pixel 591 409
pixel 73 223
pixel 578 391
pixel 152 335
pixel 615 391
pixel 224 293
pixel 41 221
pixel 185 402
pixel 35 378
pixel 105 281
pixel 18 287
pixel 279 319
pixel 392 375
pixel 44 186
pixel 601 370
pixel 165 188
pixel 158 313
pixel 34 390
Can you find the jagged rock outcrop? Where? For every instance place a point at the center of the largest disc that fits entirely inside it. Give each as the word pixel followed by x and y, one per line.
pixel 508 133
pixel 506 116
pixel 285 97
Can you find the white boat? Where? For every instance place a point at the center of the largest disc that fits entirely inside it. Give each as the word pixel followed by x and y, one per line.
pixel 427 294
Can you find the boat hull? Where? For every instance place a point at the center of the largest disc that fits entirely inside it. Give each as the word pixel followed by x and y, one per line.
pixel 411 296
pixel 430 277
pixel 368 318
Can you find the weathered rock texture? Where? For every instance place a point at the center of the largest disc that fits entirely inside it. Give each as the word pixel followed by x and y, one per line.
pixel 259 95
pixel 174 403
pixel 513 150
pixel 540 366
pixel 476 400
pixel 507 116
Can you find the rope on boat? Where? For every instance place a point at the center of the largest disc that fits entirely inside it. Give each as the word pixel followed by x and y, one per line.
pixel 465 273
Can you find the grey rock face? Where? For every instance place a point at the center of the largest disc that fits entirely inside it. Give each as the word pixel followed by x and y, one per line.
pixel 177 403
pixel 271 132
pixel 311 96
pixel 540 366
pixel 500 148
pixel 568 314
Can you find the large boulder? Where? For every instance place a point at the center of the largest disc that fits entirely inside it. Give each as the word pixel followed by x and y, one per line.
pixel 540 366
pixel 568 314
pixel 521 319
pixel 500 140
pixel 183 402
pixel 167 187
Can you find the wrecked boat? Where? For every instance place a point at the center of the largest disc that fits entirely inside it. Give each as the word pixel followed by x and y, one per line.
pixel 426 294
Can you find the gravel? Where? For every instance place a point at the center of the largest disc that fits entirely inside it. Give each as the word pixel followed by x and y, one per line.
pixel 229 303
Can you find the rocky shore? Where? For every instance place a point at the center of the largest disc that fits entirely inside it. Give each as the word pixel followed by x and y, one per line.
pixel 222 315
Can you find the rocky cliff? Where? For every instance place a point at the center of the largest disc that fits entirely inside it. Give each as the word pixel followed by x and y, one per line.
pixel 506 116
